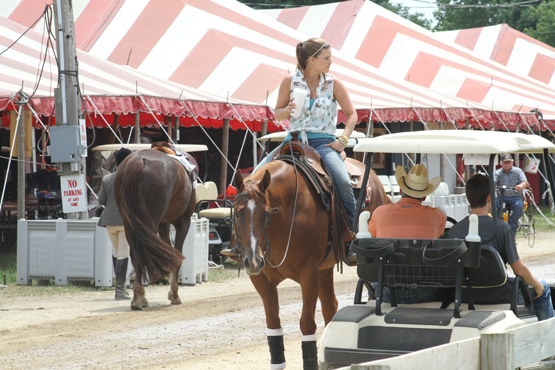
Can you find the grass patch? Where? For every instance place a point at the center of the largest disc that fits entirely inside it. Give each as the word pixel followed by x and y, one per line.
pixel 8 266
pixel 228 272
pixel 541 223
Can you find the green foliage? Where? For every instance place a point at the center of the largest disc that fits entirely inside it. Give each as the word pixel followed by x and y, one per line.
pixel 8 266
pixel 396 8
pixel 544 17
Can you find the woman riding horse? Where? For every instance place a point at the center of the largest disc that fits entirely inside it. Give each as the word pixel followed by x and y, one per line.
pixel 317 121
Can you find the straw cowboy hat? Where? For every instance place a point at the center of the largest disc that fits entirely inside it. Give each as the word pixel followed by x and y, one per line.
pixel 416 183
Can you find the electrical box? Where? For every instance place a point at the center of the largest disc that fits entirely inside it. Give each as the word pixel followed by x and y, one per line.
pixel 65 144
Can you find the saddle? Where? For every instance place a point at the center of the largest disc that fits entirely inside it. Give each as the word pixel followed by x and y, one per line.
pixel 185 159
pixel 308 160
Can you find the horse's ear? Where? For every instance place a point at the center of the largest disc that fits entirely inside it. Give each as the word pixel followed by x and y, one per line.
pixel 238 180
pixel 265 182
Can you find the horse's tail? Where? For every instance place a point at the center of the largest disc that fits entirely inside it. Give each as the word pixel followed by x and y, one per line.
pixel 148 252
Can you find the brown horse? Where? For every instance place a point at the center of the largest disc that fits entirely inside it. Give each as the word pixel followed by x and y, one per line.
pixel 281 224
pixel 153 191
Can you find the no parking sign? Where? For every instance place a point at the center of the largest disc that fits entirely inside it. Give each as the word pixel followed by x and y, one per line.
pixel 74 194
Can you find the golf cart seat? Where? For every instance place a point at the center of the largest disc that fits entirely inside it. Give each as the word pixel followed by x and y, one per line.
pixel 443 263
pixel 207 193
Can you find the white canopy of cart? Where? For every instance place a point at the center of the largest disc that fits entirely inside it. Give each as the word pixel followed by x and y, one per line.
pixel 365 31
pixel 455 142
pixel 226 48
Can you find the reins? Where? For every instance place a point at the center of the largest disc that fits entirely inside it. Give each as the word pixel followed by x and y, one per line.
pixel 267 243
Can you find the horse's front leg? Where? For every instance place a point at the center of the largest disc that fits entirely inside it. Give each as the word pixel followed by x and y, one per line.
pixel 274 333
pixel 326 294
pixel 139 300
pixel 310 283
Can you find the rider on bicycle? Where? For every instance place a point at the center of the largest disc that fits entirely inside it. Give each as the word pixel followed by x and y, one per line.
pixel 514 181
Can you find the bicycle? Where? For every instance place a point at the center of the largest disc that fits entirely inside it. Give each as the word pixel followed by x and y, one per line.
pixel 503 211
pixel 527 223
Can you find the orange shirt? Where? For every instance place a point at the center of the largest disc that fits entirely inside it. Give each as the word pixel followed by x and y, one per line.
pixel 407 219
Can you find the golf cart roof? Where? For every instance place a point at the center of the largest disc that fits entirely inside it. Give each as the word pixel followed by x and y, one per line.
pixel 134 147
pixel 455 142
pixel 280 136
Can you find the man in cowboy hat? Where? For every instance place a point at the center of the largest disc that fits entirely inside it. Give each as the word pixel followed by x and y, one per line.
pixel 409 219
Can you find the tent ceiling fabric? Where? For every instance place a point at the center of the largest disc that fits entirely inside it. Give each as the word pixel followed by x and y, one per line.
pixel 371 34
pixel 228 49
pixel 112 89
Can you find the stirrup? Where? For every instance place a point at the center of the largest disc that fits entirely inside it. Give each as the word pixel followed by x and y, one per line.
pixel 231 252
pixel 350 255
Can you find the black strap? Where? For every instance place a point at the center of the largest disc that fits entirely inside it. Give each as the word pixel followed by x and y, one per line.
pixel 450 257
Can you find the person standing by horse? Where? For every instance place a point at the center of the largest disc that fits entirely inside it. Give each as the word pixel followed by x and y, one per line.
pixel 317 122
pixel 111 219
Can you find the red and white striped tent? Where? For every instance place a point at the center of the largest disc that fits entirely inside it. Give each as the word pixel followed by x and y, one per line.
pixel 110 89
pixel 371 34
pixel 226 48
pixel 514 49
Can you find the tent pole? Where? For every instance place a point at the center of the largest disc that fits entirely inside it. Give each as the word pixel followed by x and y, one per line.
pixel 21 166
pixel 137 129
pixel 263 133
pixel 466 167
pixel 223 165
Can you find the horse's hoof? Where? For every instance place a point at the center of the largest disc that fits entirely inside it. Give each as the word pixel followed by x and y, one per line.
pixel 144 302
pixel 176 301
pixel 136 307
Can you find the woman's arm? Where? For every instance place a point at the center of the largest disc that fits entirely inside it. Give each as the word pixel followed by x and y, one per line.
pixel 342 97
pixel 284 103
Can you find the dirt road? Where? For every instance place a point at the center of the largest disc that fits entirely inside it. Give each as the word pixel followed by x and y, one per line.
pixel 218 326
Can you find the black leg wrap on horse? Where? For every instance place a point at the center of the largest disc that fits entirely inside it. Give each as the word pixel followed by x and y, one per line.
pixel 277 349
pixel 310 355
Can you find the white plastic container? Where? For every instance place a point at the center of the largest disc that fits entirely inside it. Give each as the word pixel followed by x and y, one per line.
pixel 299 96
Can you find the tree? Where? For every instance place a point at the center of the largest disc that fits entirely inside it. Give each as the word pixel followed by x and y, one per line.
pixel 544 16
pixel 464 14
pixel 397 8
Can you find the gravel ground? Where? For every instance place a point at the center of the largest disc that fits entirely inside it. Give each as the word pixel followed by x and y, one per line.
pixel 219 325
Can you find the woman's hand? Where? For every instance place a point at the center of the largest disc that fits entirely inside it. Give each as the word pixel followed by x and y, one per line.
pixel 291 107
pixel 337 145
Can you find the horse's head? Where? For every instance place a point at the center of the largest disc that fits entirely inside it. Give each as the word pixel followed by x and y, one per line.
pixel 252 219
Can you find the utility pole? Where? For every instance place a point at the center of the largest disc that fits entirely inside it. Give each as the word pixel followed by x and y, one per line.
pixel 68 149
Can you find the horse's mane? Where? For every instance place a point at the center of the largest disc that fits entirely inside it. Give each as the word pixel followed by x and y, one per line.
pixel 251 183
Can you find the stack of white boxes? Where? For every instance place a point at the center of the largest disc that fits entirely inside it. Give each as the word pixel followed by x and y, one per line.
pixel 194 269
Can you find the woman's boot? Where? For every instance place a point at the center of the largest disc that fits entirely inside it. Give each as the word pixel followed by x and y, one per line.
pixel 121 277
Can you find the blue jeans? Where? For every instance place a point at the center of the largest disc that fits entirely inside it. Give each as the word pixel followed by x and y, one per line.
pixel 405 295
pixel 338 171
pixel 542 305
pixel 516 205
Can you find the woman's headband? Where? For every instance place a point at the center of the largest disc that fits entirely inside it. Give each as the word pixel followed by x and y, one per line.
pixel 317 51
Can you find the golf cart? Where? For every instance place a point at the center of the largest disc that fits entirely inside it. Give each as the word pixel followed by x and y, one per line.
pixel 371 329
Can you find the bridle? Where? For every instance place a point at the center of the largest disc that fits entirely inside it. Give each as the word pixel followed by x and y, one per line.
pixel 265 223
pixel 269 211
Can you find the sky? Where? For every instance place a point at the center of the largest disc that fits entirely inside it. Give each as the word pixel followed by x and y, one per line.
pixel 418 6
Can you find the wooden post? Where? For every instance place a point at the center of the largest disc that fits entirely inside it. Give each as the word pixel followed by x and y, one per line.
pixel 466 167
pixel 176 125
pixel 137 129
pixel 225 146
pixel 497 351
pixel 21 166
pixel 441 160
pixel 264 132
pixel 170 127
pixel 517 158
